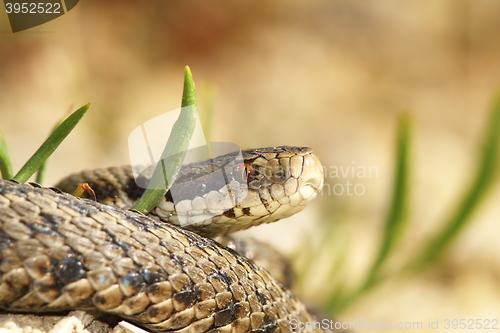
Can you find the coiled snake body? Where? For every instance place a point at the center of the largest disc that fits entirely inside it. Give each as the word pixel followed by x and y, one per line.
pixel 58 252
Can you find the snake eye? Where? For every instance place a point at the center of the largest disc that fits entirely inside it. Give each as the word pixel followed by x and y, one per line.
pixel 246 170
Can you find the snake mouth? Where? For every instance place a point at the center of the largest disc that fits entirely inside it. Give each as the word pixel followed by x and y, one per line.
pixel 312 177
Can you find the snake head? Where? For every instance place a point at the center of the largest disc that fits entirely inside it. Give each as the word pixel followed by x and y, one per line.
pixel 222 195
pixel 269 184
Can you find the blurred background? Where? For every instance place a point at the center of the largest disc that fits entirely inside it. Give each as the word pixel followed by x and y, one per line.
pixel 332 75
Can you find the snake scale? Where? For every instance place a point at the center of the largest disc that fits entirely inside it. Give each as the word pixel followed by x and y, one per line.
pixel 59 252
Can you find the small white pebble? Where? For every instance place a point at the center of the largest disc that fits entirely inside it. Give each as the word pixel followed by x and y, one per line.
pixel 69 325
pixel 11 327
pixel 131 328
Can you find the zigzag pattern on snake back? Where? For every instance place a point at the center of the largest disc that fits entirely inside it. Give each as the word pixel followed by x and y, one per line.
pixel 58 252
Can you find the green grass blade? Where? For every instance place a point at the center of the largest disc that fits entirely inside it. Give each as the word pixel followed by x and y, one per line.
pixel 189 91
pixel 207 111
pixel 5 164
pixel 486 172
pixel 40 174
pixel 396 219
pixel 48 147
pixel 175 150
pixel 207 115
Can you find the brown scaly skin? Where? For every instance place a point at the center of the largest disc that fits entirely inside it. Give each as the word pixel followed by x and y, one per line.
pixel 58 252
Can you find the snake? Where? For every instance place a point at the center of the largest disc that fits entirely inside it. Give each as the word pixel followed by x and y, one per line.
pixel 59 252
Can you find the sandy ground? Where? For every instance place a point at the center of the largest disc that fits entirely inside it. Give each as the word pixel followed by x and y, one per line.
pixel 332 75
